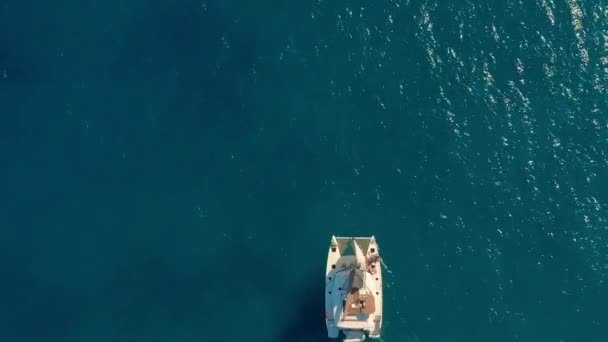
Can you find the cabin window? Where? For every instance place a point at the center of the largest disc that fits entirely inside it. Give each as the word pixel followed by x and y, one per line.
pixel 372 250
pixel 333 266
pixel 333 249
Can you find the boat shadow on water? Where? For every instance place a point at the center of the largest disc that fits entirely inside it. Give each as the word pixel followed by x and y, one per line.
pixel 307 321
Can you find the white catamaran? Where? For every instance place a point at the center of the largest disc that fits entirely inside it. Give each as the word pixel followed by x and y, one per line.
pixel 353 288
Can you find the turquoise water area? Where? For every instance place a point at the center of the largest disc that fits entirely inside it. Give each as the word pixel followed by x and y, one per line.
pixel 174 170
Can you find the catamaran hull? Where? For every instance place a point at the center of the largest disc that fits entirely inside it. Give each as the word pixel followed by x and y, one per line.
pixel 353 288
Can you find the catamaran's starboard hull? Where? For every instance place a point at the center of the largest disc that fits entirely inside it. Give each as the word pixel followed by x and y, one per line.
pixel 353 288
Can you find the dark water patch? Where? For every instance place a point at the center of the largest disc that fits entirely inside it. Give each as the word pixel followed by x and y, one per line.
pixel 305 322
pixel 52 311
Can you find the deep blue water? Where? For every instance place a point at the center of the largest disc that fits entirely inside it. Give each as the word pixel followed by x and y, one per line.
pixel 174 170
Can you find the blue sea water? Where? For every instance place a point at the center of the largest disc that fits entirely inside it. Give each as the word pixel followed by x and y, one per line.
pixel 174 170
